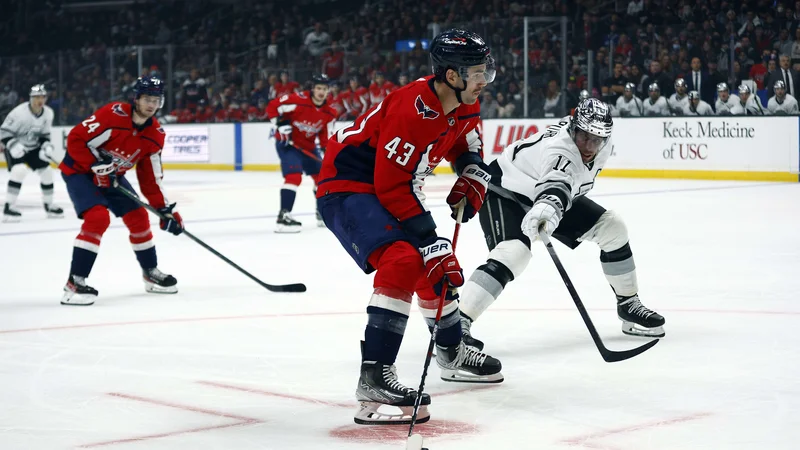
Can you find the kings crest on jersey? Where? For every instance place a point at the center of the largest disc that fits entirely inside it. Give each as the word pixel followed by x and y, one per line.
pixel 391 149
pixel 546 161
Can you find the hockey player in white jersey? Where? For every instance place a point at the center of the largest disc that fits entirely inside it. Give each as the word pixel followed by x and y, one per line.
pixel 25 135
pixel 748 104
pixel 679 99
pixel 655 105
pixel 628 104
pixel 696 106
pixel 725 100
pixel 782 104
pixel 543 180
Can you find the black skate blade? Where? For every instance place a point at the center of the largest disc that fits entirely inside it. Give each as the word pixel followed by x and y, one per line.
pixel 296 287
pixel 390 423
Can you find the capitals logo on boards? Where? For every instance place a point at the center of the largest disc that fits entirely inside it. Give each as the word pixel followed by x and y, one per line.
pixel 426 111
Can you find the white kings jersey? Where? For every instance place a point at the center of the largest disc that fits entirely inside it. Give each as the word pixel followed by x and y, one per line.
pixel 629 108
pixel 546 161
pixel 703 109
pixel 677 103
pixel 21 125
pixel 657 108
pixel 726 107
pixel 752 107
pixel 787 106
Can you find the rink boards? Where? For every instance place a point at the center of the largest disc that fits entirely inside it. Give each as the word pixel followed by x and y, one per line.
pixel 726 148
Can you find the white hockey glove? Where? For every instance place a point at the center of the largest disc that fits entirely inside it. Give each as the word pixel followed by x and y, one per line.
pixel 16 150
pixel 546 211
pixel 46 152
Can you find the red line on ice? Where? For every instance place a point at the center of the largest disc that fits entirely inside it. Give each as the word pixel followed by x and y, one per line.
pixel 351 313
pixel 582 439
pixel 240 421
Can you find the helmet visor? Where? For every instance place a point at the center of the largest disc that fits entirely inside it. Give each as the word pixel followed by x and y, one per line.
pixel 486 75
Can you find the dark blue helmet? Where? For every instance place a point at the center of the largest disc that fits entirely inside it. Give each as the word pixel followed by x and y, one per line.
pixel 149 86
pixel 458 50
pixel 320 78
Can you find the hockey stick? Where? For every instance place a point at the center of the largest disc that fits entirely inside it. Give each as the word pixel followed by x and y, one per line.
pixel 608 355
pixel 415 441
pixel 297 287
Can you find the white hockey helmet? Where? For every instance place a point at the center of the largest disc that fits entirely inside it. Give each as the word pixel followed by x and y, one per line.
pixel 653 88
pixel 38 90
pixel 694 95
pixel 584 94
pixel 594 117
pixel 722 87
pixel 744 89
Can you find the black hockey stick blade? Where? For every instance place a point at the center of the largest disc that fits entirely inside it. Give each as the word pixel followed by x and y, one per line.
pixel 295 287
pixel 612 356
pixel 608 355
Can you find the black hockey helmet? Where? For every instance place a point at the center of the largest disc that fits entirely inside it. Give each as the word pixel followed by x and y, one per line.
pixel 148 85
pixel 320 78
pixel 458 50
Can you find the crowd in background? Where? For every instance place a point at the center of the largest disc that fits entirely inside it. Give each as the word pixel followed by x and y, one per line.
pixel 224 61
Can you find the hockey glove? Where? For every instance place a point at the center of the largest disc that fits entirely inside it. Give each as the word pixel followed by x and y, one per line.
pixel 283 132
pixel 173 222
pixel 546 213
pixel 16 150
pixel 46 152
pixel 441 263
pixel 469 191
pixel 104 172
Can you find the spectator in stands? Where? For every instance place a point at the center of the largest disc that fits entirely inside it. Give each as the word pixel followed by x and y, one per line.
pixel 614 85
pixel 203 113
pixel 489 106
pixel 285 86
pixel 552 103
pixel 758 72
pixel 317 40
pixel 333 62
pixel 505 109
pixel 786 74
pixel 664 82
pixel 193 89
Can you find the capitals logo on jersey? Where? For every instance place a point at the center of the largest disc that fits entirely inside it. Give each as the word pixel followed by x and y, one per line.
pixel 425 110
pixel 309 129
pixel 117 109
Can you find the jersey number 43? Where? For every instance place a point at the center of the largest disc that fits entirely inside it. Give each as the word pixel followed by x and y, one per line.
pixel 392 145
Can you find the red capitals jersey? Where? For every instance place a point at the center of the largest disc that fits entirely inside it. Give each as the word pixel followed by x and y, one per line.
pixel 356 102
pixel 378 93
pixel 183 115
pixel 337 103
pixel 204 116
pixel 291 87
pixel 308 120
pixel 392 148
pixel 111 129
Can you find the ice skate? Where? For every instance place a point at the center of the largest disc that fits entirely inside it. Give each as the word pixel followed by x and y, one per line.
pixel 287 224
pixel 466 336
pixel 463 364
pixel 10 214
pixel 637 320
pixel 158 282
pixel 78 293
pixel 378 387
pixel 53 211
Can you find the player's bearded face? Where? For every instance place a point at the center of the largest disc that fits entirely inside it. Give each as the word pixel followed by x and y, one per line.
pixel 320 92
pixel 588 145
pixel 147 105
pixel 780 92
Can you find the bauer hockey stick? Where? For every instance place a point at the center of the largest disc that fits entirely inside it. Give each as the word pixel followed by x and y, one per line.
pixel 608 355
pixel 415 440
pixel 297 287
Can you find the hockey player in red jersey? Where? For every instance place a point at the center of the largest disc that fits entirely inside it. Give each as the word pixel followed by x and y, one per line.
pixel 100 150
pixel 355 99
pixel 300 120
pixel 379 89
pixel 370 196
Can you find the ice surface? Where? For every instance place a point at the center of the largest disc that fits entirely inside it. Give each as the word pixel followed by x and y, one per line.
pixel 225 364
